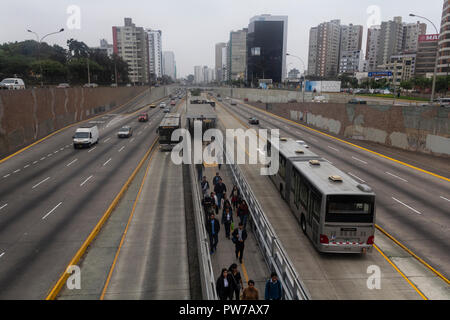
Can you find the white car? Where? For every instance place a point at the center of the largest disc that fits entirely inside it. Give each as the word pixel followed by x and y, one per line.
pixel 91 85
pixel 86 136
pixel 163 105
pixel 12 84
pixel 320 99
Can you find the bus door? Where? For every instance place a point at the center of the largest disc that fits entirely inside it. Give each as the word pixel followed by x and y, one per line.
pixel 314 215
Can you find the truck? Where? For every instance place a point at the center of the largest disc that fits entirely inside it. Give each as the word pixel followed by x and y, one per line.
pixel 86 136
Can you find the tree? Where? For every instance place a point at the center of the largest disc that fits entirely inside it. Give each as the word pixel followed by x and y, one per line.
pixel 77 49
pixel 407 84
pixel 52 71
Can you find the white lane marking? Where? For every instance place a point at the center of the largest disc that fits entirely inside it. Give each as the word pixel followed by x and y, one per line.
pixel 72 162
pixel 7 175
pixel 43 218
pixel 56 152
pixel 121 148
pixel 92 149
pixel 26 166
pixel 396 176
pixel 43 158
pixel 132 139
pixel 107 162
pixel 3 206
pixel 49 155
pixel 106 140
pixel 328 161
pixel 67 145
pixel 313 139
pixel 445 198
pixel 359 160
pixel 35 162
pixel 1 255
pixel 40 183
pixel 333 149
pixel 356 177
pixel 82 184
pixel 16 171
pixel 61 149
pixel 407 206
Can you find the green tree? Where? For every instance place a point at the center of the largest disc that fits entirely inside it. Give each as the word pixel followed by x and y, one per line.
pixel 53 71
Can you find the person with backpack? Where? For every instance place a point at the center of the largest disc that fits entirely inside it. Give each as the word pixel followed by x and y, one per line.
pixel 237 281
pixel 274 290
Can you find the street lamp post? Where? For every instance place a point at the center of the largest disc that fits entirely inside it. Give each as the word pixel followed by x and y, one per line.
pixel 433 90
pixel 39 40
pixel 304 74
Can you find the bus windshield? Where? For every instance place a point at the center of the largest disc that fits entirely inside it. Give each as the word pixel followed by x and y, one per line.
pixel 165 135
pixel 350 209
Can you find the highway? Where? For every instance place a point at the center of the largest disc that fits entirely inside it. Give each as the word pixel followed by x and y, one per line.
pixel 413 206
pixel 53 195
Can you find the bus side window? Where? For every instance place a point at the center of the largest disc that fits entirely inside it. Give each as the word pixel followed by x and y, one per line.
pixel 303 194
pixel 315 205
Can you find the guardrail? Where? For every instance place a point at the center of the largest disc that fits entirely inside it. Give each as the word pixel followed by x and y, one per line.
pixel 271 248
pixel 206 269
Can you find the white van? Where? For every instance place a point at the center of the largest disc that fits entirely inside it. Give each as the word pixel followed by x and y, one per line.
pixel 86 136
pixel 12 84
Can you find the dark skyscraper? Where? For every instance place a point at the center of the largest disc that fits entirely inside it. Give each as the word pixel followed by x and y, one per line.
pixel 266 48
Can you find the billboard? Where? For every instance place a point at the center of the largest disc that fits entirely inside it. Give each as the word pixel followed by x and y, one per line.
pixel 428 37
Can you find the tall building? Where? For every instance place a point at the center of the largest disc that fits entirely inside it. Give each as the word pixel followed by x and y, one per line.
pixel 130 43
pixel 169 65
pixel 237 63
pixel 198 75
pixel 219 60
pixel 443 62
pixel 350 61
pixel 266 48
pixel 391 40
pixel 426 54
pixel 107 48
pixel 155 52
pixel 351 38
pixel 324 49
pixel 411 33
pixel 225 55
pixel 372 46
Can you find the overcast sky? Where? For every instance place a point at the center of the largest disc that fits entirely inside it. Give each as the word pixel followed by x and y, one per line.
pixel 191 28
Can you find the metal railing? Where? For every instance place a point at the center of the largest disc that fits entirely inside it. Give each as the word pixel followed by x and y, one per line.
pixel 206 270
pixel 271 248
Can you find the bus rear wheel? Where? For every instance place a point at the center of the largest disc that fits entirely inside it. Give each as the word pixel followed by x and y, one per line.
pixel 303 224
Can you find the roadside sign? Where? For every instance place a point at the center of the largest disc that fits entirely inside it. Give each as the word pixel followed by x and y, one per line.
pixel 380 74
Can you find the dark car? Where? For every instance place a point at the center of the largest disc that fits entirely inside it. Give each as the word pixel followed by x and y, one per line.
pixel 125 132
pixel 357 101
pixel 143 117
pixel 253 121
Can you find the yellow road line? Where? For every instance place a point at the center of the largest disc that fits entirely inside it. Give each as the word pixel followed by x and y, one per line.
pixel 113 266
pixel 351 144
pixel 63 278
pixel 66 127
pixel 244 270
pixel 401 273
pixel 413 254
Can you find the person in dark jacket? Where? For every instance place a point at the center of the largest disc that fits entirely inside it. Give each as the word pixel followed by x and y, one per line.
pixel 216 179
pixel 213 228
pixel 227 220
pixel 220 188
pixel 234 196
pixel 224 285
pixel 205 187
pixel 243 213
pixel 239 237
pixel 274 290
pixel 237 281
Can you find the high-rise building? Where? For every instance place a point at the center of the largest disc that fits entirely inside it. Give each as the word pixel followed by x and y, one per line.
pixel 324 46
pixel 391 40
pixel 155 53
pixel 198 75
pixel 130 43
pixel 426 54
pixel 373 43
pixel 266 48
pixel 350 61
pixel 411 33
pixel 351 38
pixel 219 60
pixel 107 48
pixel 225 55
pixel 443 63
pixel 169 65
pixel 237 63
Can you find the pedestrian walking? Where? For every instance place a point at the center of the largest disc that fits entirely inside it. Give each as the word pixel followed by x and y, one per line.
pixel 224 285
pixel 250 293
pixel 226 203
pixel 213 228
pixel 243 213
pixel 220 189
pixel 274 290
pixel 216 179
pixel 227 220
pixel 216 202
pixel 237 281
pixel 239 237
pixel 205 187
pixel 234 196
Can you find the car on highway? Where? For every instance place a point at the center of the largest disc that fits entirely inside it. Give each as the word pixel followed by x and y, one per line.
pixel 219 99
pixel 253 120
pixel 63 86
pixel 166 110
pixel 233 102
pixel 162 105
pixel 12 84
pixel 86 136
pixel 320 99
pixel 143 117
pixel 125 132
pixel 152 105
pixel 90 85
pixel 173 103
pixel 357 101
